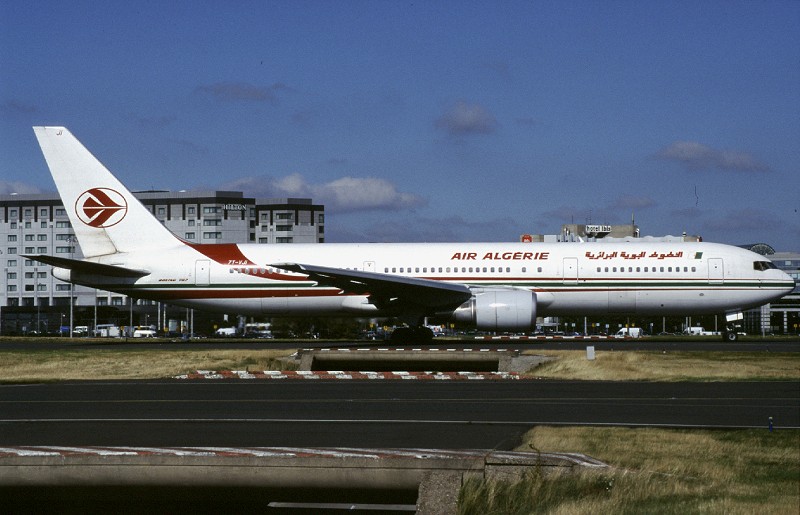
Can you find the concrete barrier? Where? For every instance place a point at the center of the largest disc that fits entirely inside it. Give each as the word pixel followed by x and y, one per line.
pixel 407 359
pixel 429 477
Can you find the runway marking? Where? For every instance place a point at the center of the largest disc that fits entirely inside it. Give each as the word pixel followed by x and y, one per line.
pixel 349 375
pixel 509 457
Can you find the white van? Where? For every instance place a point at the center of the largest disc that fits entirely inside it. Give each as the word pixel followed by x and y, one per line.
pixel 629 332
pixel 226 331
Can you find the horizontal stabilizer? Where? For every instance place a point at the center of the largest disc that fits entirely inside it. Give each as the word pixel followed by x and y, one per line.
pixel 89 267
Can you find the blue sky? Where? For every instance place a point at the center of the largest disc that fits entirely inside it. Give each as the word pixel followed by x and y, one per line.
pixel 427 121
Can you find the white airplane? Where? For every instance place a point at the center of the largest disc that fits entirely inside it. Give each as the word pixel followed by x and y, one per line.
pixel 492 286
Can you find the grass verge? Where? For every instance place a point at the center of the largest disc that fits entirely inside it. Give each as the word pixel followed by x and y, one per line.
pixel 62 365
pixel 653 471
pixel 626 365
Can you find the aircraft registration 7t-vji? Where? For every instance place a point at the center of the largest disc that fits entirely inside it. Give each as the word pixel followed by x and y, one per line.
pixel 492 286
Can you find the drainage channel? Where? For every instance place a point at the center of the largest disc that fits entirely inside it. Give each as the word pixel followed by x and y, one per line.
pixel 410 360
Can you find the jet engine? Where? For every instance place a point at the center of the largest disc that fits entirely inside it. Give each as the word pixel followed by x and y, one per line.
pixel 499 309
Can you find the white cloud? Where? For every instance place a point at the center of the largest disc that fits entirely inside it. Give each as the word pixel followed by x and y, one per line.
pixel 465 118
pixel 696 156
pixel 346 194
pixel 423 229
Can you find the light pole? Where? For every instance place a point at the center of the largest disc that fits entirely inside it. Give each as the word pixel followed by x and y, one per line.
pixel 36 299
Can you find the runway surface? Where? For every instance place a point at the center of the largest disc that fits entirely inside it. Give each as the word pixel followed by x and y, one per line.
pixel 677 344
pixel 475 414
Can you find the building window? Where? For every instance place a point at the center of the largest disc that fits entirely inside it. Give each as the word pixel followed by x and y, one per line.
pixel 284 216
pixel 283 240
pixel 189 235
pixel 212 235
pixel 12 250
pixel 190 210
pixel 41 237
pixel 65 250
pixel 12 237
pixel 284 228
pixel 212 223
pixel 43 225
pixel 191 223
pixel 63 225
pixel 29 237
pixel 11 275
pixel 61 212
pixel 210 210
pixel 63 287
pixel 12 262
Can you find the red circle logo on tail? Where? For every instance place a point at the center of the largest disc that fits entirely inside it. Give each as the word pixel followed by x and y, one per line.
pixel 101 207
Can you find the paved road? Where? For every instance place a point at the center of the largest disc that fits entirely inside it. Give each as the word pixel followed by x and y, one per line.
pixel 466 414
pixel 678 344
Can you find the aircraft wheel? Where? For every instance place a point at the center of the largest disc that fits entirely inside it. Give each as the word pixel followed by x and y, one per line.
pixel 423 335
pixel 402 335
pixel 408 335
pixel 730 336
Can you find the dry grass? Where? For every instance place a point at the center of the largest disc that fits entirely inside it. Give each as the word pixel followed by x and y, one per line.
pixel 669 366
pixel 654 471
pixel 40 365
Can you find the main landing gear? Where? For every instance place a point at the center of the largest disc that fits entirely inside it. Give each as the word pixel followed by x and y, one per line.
pixel 419 335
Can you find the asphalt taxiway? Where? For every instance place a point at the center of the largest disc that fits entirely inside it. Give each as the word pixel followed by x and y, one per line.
pixel 467 414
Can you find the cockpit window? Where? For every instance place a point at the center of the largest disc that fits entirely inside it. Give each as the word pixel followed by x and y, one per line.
pixel 763 265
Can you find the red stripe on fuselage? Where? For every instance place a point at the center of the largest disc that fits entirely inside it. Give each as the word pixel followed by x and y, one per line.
pixel 211 293
pixel 222 253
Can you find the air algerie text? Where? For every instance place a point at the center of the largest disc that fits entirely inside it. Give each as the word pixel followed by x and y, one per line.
pixel 501 256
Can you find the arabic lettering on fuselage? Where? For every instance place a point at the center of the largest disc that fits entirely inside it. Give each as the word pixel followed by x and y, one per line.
pixel 627 255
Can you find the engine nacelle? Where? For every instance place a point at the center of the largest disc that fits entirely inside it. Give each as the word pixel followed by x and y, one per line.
pixel 499 309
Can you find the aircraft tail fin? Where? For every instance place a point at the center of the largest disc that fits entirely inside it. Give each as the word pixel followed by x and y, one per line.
pixel 106 217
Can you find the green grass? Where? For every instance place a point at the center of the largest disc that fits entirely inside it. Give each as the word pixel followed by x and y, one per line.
pixel 653 471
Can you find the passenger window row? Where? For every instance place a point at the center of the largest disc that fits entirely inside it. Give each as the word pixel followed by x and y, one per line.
pixel 638 269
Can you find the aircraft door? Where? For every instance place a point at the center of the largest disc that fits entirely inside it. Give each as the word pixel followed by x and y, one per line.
pixel 202 272
pixel 715 271
pixel 570 270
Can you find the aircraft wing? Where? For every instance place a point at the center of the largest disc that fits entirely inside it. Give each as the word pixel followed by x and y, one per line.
pixel 386 290
pixel 89 267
